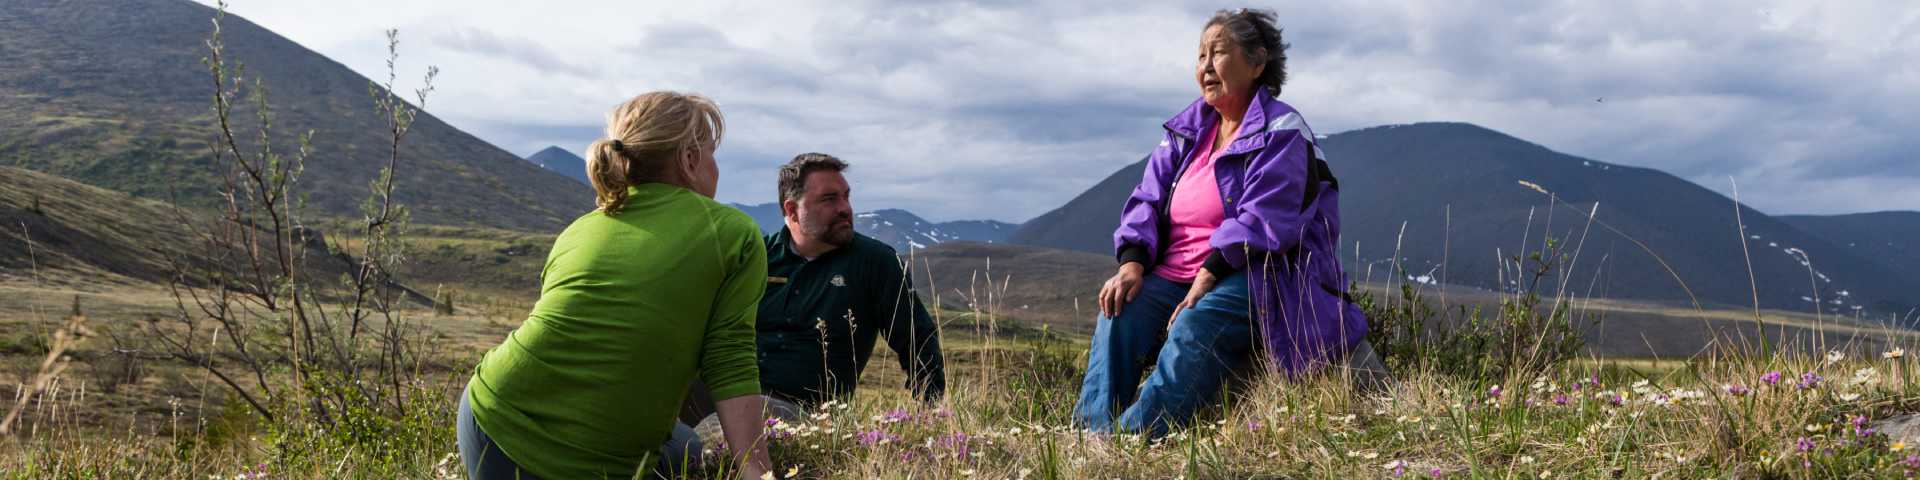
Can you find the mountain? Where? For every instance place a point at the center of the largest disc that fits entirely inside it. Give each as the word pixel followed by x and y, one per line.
pixel 904 230
pixel 113 94
pixel 561 161
pixel 1085 223
pixel 899 228
pixel 1892 238
pixel 67 233
pixel 1457 190
pixel 767 215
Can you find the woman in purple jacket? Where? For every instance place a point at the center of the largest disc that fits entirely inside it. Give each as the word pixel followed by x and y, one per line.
pixel 1226 248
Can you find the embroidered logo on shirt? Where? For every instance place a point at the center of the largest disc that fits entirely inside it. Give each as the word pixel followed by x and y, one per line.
pixel 776 280
pixel 838 281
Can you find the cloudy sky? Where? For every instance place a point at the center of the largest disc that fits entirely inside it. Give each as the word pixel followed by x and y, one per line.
pixel 1004 109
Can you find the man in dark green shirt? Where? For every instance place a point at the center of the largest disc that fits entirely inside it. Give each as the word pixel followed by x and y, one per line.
pixel 832 292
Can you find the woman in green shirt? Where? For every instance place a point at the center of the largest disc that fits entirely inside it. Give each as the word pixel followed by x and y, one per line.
pixel 658 284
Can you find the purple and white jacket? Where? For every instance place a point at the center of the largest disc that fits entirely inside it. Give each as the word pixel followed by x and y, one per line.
pixel 1285 241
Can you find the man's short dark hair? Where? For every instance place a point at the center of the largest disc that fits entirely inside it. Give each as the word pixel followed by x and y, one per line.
pixel 793 175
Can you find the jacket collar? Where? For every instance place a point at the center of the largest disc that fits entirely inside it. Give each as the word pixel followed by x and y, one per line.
pixel 1190 122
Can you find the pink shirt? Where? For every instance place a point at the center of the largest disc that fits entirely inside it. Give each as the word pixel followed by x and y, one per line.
pixel 1195 212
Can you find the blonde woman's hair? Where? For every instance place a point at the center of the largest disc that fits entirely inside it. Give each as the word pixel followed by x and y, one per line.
pixel 645 139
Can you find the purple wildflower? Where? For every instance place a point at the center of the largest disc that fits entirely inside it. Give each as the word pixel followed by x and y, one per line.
pixel 957 442
pixel 1770 378
pixel 1738 390
pixel 1435 473
pixel 898 415
pixel 1912 462
pixel 1253 425
pixel 1494 392
pixel 1810 380
pixel 1803 444
pixel 1860 428
pixel 1399 468
pixel 1560 399
pixel 874 437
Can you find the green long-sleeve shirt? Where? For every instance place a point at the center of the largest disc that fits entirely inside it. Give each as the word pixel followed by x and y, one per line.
pixel 631 306
pixel 847 298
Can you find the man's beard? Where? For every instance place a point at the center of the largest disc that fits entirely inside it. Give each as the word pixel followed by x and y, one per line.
pixel 831 233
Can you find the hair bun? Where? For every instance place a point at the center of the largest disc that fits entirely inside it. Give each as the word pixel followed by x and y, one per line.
pixel 617 146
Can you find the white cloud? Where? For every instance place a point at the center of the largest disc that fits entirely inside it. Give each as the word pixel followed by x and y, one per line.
pixel 1005 109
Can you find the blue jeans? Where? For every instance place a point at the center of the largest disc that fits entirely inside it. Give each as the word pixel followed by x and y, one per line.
pixel 1192 362
pixel 485 461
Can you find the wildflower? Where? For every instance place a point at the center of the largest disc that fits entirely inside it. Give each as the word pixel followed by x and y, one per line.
pixel 1897 446
pixel 1398 467
pixel 1526 459
pixel 1803 444
pixel 1835 357
pixel 1894 354
pixel 877 437
pixel 957 443
pixel 1771 378
pixel 1253 425
pixel 896 416
pixel 1848 397
pixel 1865 376
pixel 1912 462
pixel 1560 399
pixel 1435 472
pixel 1810 380
pixel 1738 390
pixel 1860 428
pixel 1494 392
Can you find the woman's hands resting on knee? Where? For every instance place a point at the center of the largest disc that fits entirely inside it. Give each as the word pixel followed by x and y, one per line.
pixel 1121 289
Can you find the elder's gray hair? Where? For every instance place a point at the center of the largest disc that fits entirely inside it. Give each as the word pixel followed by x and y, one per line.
pixel 1259 39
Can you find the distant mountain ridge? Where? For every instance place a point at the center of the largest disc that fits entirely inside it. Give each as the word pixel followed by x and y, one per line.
pixel 899 228
pixel 1892 238
pixel 113 94
pixel 561 161
pixel 1456 189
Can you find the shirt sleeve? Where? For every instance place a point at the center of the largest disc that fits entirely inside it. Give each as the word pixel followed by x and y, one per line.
pixel 910 332
pixel 727 360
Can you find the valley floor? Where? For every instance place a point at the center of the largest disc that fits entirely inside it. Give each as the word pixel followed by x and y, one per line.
pixel 1012 386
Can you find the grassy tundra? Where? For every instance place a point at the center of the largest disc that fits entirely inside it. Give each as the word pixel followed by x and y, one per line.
pixel 336 354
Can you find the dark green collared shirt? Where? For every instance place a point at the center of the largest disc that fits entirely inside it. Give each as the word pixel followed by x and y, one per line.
pixel 819 319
